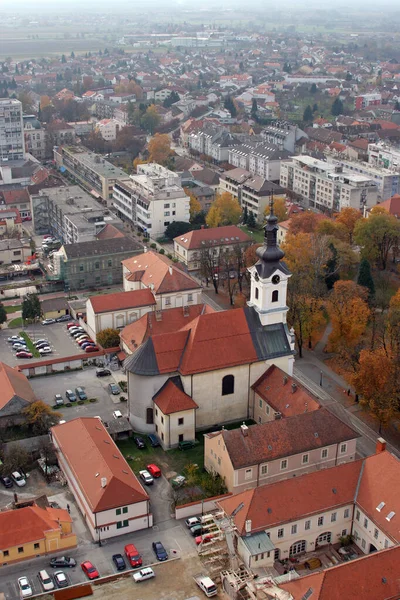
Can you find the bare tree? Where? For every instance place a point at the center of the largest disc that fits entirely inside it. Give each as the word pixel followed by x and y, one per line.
pixel 210 263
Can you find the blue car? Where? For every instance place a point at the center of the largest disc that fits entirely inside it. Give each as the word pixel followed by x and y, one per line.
pixel 159 551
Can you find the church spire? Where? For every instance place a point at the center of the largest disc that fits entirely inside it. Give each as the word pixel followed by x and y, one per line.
pixel 270 253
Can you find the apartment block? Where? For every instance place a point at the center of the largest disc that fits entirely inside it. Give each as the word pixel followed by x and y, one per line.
pixel 284 135
pixel 12 145
pixel 215 142
pixel 382 155
pixel 152 199
pixel 327 186
pixel 263 159
pixel 93 172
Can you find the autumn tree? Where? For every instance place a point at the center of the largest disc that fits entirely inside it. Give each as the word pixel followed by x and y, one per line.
pixel 26 101
pixel 304 222
pixel 280 210
pixel 210 265
pixel 151 119
pixel 349 313
pixel 195 206
pixel 376 381
pixel 108 338
pixel 378 236
pixel 225 210
pixel 44 101
pixel 348 218
pixel 159 148
pixel 40 417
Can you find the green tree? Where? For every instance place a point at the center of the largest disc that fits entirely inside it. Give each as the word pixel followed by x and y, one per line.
pixel 365 277
pixel 177 228
pixel 3 314
pixel 308 114
pixel 108 338
pixel 397 105
pixel 378 236
pixel 31 307
pixel 245 215
pixel 313 88
pixel 72 54
pixel 315 107
pixel 40 417
pixel 63 59
pixel 254 108
pixel 151 119
pixel 230 105
pixel 337 107
pixel 287 68
pixel 251 221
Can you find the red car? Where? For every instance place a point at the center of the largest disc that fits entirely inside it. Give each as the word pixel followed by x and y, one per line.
pixel 90 570
pixel 72 324
pixel 133 555
pixel 205 539
pixel 154 470
pixel 23 354
pixel 91 349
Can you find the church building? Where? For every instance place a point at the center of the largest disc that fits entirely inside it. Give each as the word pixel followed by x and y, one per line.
pixel 194 370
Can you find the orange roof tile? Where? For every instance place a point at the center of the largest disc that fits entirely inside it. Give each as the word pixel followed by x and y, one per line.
pixel 214 236
pixel 392 205
pixel 29 524
pixel 160 272
pixel 12 384
pixel 372 577
pixel 109 232
pixel 172 399
pixel 275 387
pixel 122 300
pixel 89 438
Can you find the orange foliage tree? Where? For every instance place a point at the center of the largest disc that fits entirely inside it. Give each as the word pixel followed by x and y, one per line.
pixel 349 313
pixel 348 218
pixel 159 148
pixel 305 222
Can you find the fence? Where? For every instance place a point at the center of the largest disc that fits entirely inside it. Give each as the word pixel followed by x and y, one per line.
pixel 200 506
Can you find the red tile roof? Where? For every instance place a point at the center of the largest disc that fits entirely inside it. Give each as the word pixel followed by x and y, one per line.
pixel 87 437
pixel 392 205
pixel 160 272
pixel 109 232
pixel 12 196
pixel 13 383
pixel 215 236
pixel 275 387
pixel 372 577
pixel 172 399
pixel 285 437
pixel 122 301
pixel 29 524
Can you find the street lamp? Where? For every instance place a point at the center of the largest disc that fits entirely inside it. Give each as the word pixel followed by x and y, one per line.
pixel 320 379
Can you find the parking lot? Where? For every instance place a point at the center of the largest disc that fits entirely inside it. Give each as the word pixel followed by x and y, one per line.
pixel 62 344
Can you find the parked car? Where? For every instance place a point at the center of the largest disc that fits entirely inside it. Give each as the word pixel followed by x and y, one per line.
pixel 63 318
pixel 154 470
pixel 15 338
pixel 146 477
pixel 90 570
pixel 159 551
pixel 117 414
pixel 91 349
pixel 75 328
pixel 205 539
pixel 61 579
pixel 42 345
pixel 71 325
pixel 18 479
pixel 19 346
pixel 192 521
pixel 86 344
pixel 102 372
pixel 6 481
pixel 133 556
pixel 48 321
pixel 23 354
pixel 46 581
pixel 25 588
pixel 70 396
pixel 119 562
pixel 81 337
pixel 41 341
pixel 77 333
pixel 186 445
pixel 139 442
pixel 80 392
pixel 63 561
pixel 45 350
pixel 153 439
pixel 58 399
pixel 143 574
pixel 196 530
pixel 113 388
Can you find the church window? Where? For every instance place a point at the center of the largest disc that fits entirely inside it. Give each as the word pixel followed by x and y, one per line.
pixel 275 296
pixel 149 416
pixel 228 385
pixel 256 293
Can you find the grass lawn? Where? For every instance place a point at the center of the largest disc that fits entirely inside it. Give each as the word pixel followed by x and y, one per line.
pixel 256 234
pixel 13 309
pixel 15 322
pixel 29 343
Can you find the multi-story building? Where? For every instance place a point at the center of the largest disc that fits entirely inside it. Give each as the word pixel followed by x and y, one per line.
pixel 108 129
pixel 284 135
pixel 35 137
pixel 252 191
pixel 12 144
pixel 58 133
pixel 366 100
pixel 70 214
pixel 93 172
pixel 152 199
pixel 263 159
pixel 214 142
pixel 327 186
pixel 387 181
pixel 382 155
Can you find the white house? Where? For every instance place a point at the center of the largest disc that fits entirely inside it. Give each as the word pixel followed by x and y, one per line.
pixel 108 493
pixel 108 129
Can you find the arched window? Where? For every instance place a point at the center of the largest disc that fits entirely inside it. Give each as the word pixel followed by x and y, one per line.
pixel 256 293
pixel 228 385
pixel 275 295
pixel 149 416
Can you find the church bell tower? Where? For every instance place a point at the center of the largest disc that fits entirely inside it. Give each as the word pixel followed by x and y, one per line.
pixel 269 276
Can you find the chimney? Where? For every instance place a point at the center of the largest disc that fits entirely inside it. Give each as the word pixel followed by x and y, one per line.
pixel 103 482
pixel 202 227
pixel 245 430
pixel 247 526
pixel 285 380
pixel 380 445
pixel 294 388
pixel 170 270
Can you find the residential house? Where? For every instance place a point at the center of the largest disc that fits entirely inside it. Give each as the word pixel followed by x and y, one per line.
pixel 188 247
pixel 257 455
pixel 14 251
pixel 10 222
pixel 108 129
pixel 52 308
pixel 174 414
pixel 35 137
pixel 108 493
pixel 32 531
pixel 17 394
pixel 283 231
pixel 297 515
pixel 16 198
